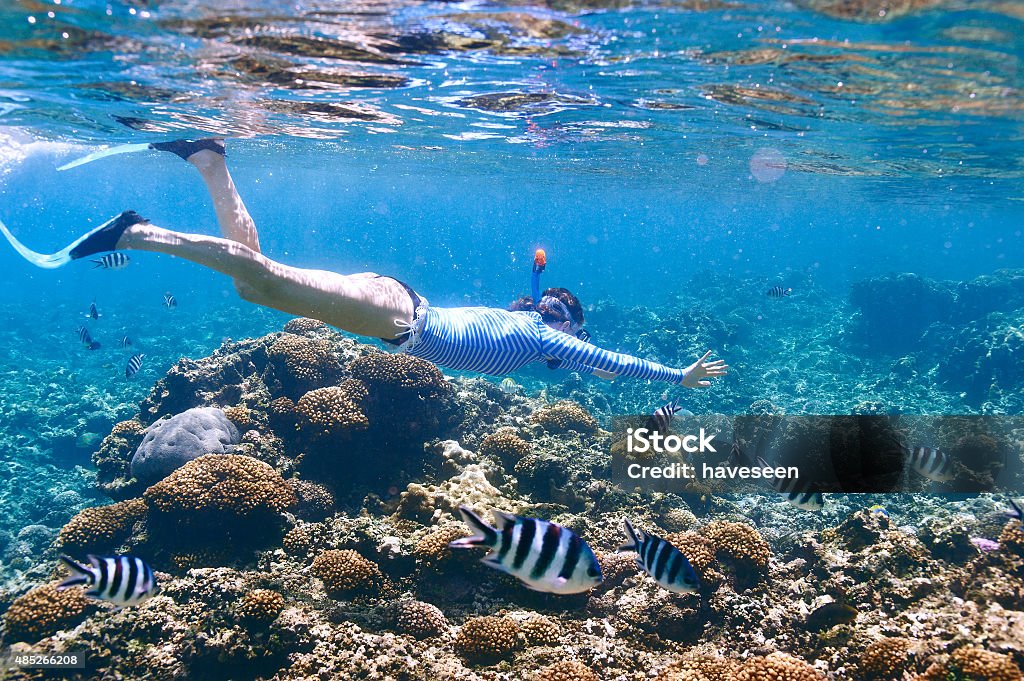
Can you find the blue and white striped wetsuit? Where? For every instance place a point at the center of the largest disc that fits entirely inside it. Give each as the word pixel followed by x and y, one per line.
pixel 494 341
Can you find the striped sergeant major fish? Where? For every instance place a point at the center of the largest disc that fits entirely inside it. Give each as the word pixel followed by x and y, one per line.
pixel 170 301
pixel 86 339
pixel 134 364
pixel 121 580
pixel 126 342
pixel 779 292
pixel 112 261
pixel 933 464
pixel 94 313
pixel 663 416
pixel 1016 511
pixel 542 555
pixel 795 491
pixel 667 564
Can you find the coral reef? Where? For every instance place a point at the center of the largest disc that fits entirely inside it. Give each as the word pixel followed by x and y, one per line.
pixel 43 611
pixel 330 413
pixel 222 499
pixel 260 607
pixel 487 639
pixel 345 573
pixel 102 528
pixel 778 666
pixel 563 417
pixel 417 619
pixel 506 446
pixel 566 671
pixel 303 362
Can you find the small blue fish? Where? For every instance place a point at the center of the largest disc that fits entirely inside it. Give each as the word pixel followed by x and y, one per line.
pixel 121 580
pixel 112 261
pixel 542 555
pixel 134 364
pixel 878 509
pixel 658 558
pixel 170 301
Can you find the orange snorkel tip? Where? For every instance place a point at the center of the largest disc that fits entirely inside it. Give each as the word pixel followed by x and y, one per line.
pixel 540 260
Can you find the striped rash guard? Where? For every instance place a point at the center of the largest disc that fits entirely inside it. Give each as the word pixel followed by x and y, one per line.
pixel 494 341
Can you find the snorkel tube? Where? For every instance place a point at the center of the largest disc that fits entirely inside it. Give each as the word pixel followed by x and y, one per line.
pixel 540 261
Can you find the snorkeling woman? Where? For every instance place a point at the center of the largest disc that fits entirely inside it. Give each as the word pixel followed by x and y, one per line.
pixel 487 340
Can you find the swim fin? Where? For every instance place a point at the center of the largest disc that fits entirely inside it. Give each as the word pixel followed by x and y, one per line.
pixel 103 153
pixel 103 238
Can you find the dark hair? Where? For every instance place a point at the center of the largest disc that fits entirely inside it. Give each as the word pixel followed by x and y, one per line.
pixel 572 303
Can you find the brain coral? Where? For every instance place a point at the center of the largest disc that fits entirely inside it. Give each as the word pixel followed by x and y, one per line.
pixel 396 372
pixel 977 664
pixel 171 443
pixel 776 667
pixel 488 639
pixel 328 412
pixel 102 528
pixel 568 670
pixel 506 446
pixel 260 607
pixel 565 416
pixel 43 611
pixel 346 572
pixel 418 619
pixel 307 362
pixel 222 484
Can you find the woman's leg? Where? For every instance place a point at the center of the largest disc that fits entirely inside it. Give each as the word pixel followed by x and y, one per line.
pixel 365 304
pixel 234 219
pixel 207 156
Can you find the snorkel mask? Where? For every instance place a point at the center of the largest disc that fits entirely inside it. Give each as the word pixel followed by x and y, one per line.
pixel 558 311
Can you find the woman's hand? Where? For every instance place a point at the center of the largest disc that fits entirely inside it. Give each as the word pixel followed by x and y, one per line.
pixel 696 375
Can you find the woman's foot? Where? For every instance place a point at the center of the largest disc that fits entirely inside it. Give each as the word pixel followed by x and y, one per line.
pixel 187 148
